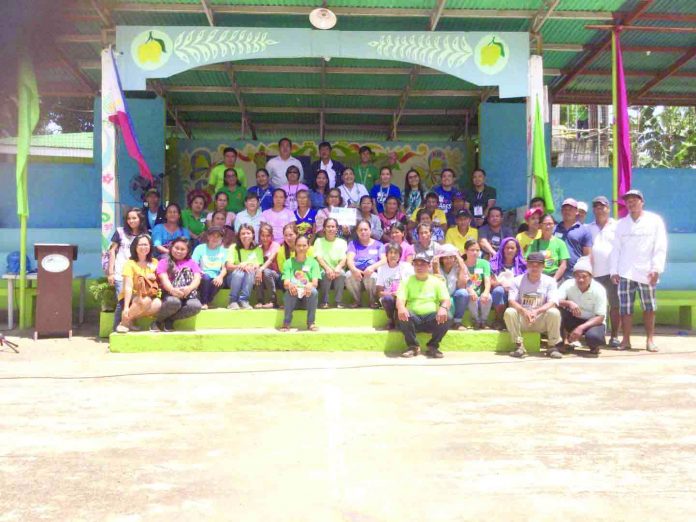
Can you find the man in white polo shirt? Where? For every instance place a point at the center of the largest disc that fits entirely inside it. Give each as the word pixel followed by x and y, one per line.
pixel 278 166
pixel 583 304
pixel 603 230
pixel 638 259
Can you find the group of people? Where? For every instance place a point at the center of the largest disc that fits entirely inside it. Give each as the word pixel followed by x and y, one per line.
pixel 425 257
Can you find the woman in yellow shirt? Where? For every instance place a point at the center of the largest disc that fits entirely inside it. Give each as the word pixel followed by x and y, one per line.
pixel 140 292
pixel 532 217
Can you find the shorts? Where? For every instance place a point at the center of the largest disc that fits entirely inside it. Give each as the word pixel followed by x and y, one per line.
pixel 627 294
pixel 612 290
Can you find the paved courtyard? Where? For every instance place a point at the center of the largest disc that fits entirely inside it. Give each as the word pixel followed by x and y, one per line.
pixel 89 435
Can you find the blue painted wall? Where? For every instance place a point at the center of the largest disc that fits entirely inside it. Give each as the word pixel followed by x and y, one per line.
pixel 669 192
pixel 503 150
pixel 61 195
pixel 148 118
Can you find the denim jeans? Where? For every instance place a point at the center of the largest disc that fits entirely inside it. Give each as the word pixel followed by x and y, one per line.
pixel 460 297
pixel 310 301
pixel 338 284
pixel 240 283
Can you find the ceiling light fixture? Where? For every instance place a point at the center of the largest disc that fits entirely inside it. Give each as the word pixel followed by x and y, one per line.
pixel 322 18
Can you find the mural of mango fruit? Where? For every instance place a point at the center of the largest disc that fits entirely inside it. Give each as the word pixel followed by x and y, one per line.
pixel 491 54
pixel 151 50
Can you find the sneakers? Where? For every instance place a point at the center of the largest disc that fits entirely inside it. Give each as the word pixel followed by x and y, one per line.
pixel 614 342
pixel 411 352
pixel 244 305
pixel 121 328
pixel 434 353
pixel 554 353
pixel 156 327
pixel 233 306
pixel 519 352
pixel 652 347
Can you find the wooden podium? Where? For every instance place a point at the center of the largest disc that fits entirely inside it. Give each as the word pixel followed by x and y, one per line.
pixel 54 289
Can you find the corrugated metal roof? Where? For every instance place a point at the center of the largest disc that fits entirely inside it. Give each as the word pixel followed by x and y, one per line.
pixel 558 31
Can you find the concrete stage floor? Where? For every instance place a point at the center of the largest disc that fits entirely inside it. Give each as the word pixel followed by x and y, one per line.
pixel 89 435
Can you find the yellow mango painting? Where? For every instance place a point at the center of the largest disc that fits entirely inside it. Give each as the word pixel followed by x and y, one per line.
pixel 491 53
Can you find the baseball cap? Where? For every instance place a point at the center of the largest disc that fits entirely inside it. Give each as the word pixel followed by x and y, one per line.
pixel 601 200
pixel 421 256
pixel 571 202
pixel 583 264
pixel 446 250
pixel 634 192
pixel 530 212
pixel 463 213
pixel 536 257
pixel 458 195
pixel 582 206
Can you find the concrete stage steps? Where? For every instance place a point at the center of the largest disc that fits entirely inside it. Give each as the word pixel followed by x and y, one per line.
pixel 257 330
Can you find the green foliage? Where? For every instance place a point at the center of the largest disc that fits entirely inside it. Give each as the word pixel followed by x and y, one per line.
pixel 665 136
pixel 103 292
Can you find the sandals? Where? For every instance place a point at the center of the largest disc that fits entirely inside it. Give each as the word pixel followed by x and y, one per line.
pixel 312 328
pixel 324 306
pixel 652 347
pixel 285 328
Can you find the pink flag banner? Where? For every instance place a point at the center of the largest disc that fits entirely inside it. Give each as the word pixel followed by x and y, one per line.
pixel 622 147
pixel 117 112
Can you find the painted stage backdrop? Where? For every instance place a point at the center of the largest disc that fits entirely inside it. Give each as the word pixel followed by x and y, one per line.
pixel 195 157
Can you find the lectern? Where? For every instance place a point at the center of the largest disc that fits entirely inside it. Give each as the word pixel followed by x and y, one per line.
pixel 54 288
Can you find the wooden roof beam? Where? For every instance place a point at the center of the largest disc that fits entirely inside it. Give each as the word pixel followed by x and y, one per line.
pixel 643 28
pixel 209 14
pixel 545 11
pixel 670 71
pixel 84 80
pixel 157 86
pixel 329 110
pixel 363 11
pixel 103 13
pixel 311 127
pixel 434 18
pixel 604 98
pixel 602 45
pixel 331 92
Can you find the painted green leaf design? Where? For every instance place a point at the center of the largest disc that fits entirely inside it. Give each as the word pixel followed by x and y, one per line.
pixel 161 44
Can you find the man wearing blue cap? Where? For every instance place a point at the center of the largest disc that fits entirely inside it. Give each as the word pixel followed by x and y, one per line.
pixel 576 236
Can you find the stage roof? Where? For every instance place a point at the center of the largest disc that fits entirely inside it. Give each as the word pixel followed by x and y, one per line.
pixel 294 96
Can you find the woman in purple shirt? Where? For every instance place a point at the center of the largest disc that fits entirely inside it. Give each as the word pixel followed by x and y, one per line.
pixel 365 256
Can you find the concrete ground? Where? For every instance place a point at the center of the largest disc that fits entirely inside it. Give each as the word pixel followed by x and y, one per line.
pixel 89 435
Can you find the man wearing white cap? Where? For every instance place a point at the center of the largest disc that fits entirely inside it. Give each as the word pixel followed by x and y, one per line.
pixel 576 236
pixel 603 231
pixel 583 303
pixel 638 259
pixel 582 211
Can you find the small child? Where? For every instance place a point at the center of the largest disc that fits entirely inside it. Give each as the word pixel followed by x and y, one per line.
pixel 388 278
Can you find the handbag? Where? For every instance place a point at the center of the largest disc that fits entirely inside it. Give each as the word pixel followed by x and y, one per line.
pixel 182 278
pixel 145 287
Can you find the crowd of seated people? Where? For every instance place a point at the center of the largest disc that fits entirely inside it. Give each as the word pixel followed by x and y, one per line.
pixel 339 228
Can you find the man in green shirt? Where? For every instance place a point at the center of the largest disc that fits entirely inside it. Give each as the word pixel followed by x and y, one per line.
pixel 422 305
pixel 366 173
pixel 216 178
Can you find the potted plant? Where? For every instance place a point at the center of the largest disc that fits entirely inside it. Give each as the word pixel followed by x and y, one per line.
pixel 104 293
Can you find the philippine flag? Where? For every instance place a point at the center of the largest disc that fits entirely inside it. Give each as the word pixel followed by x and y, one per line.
pixel 118 111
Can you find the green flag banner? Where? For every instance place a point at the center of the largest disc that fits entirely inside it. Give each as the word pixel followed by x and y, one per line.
pixel 27 118
pixel 539 166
